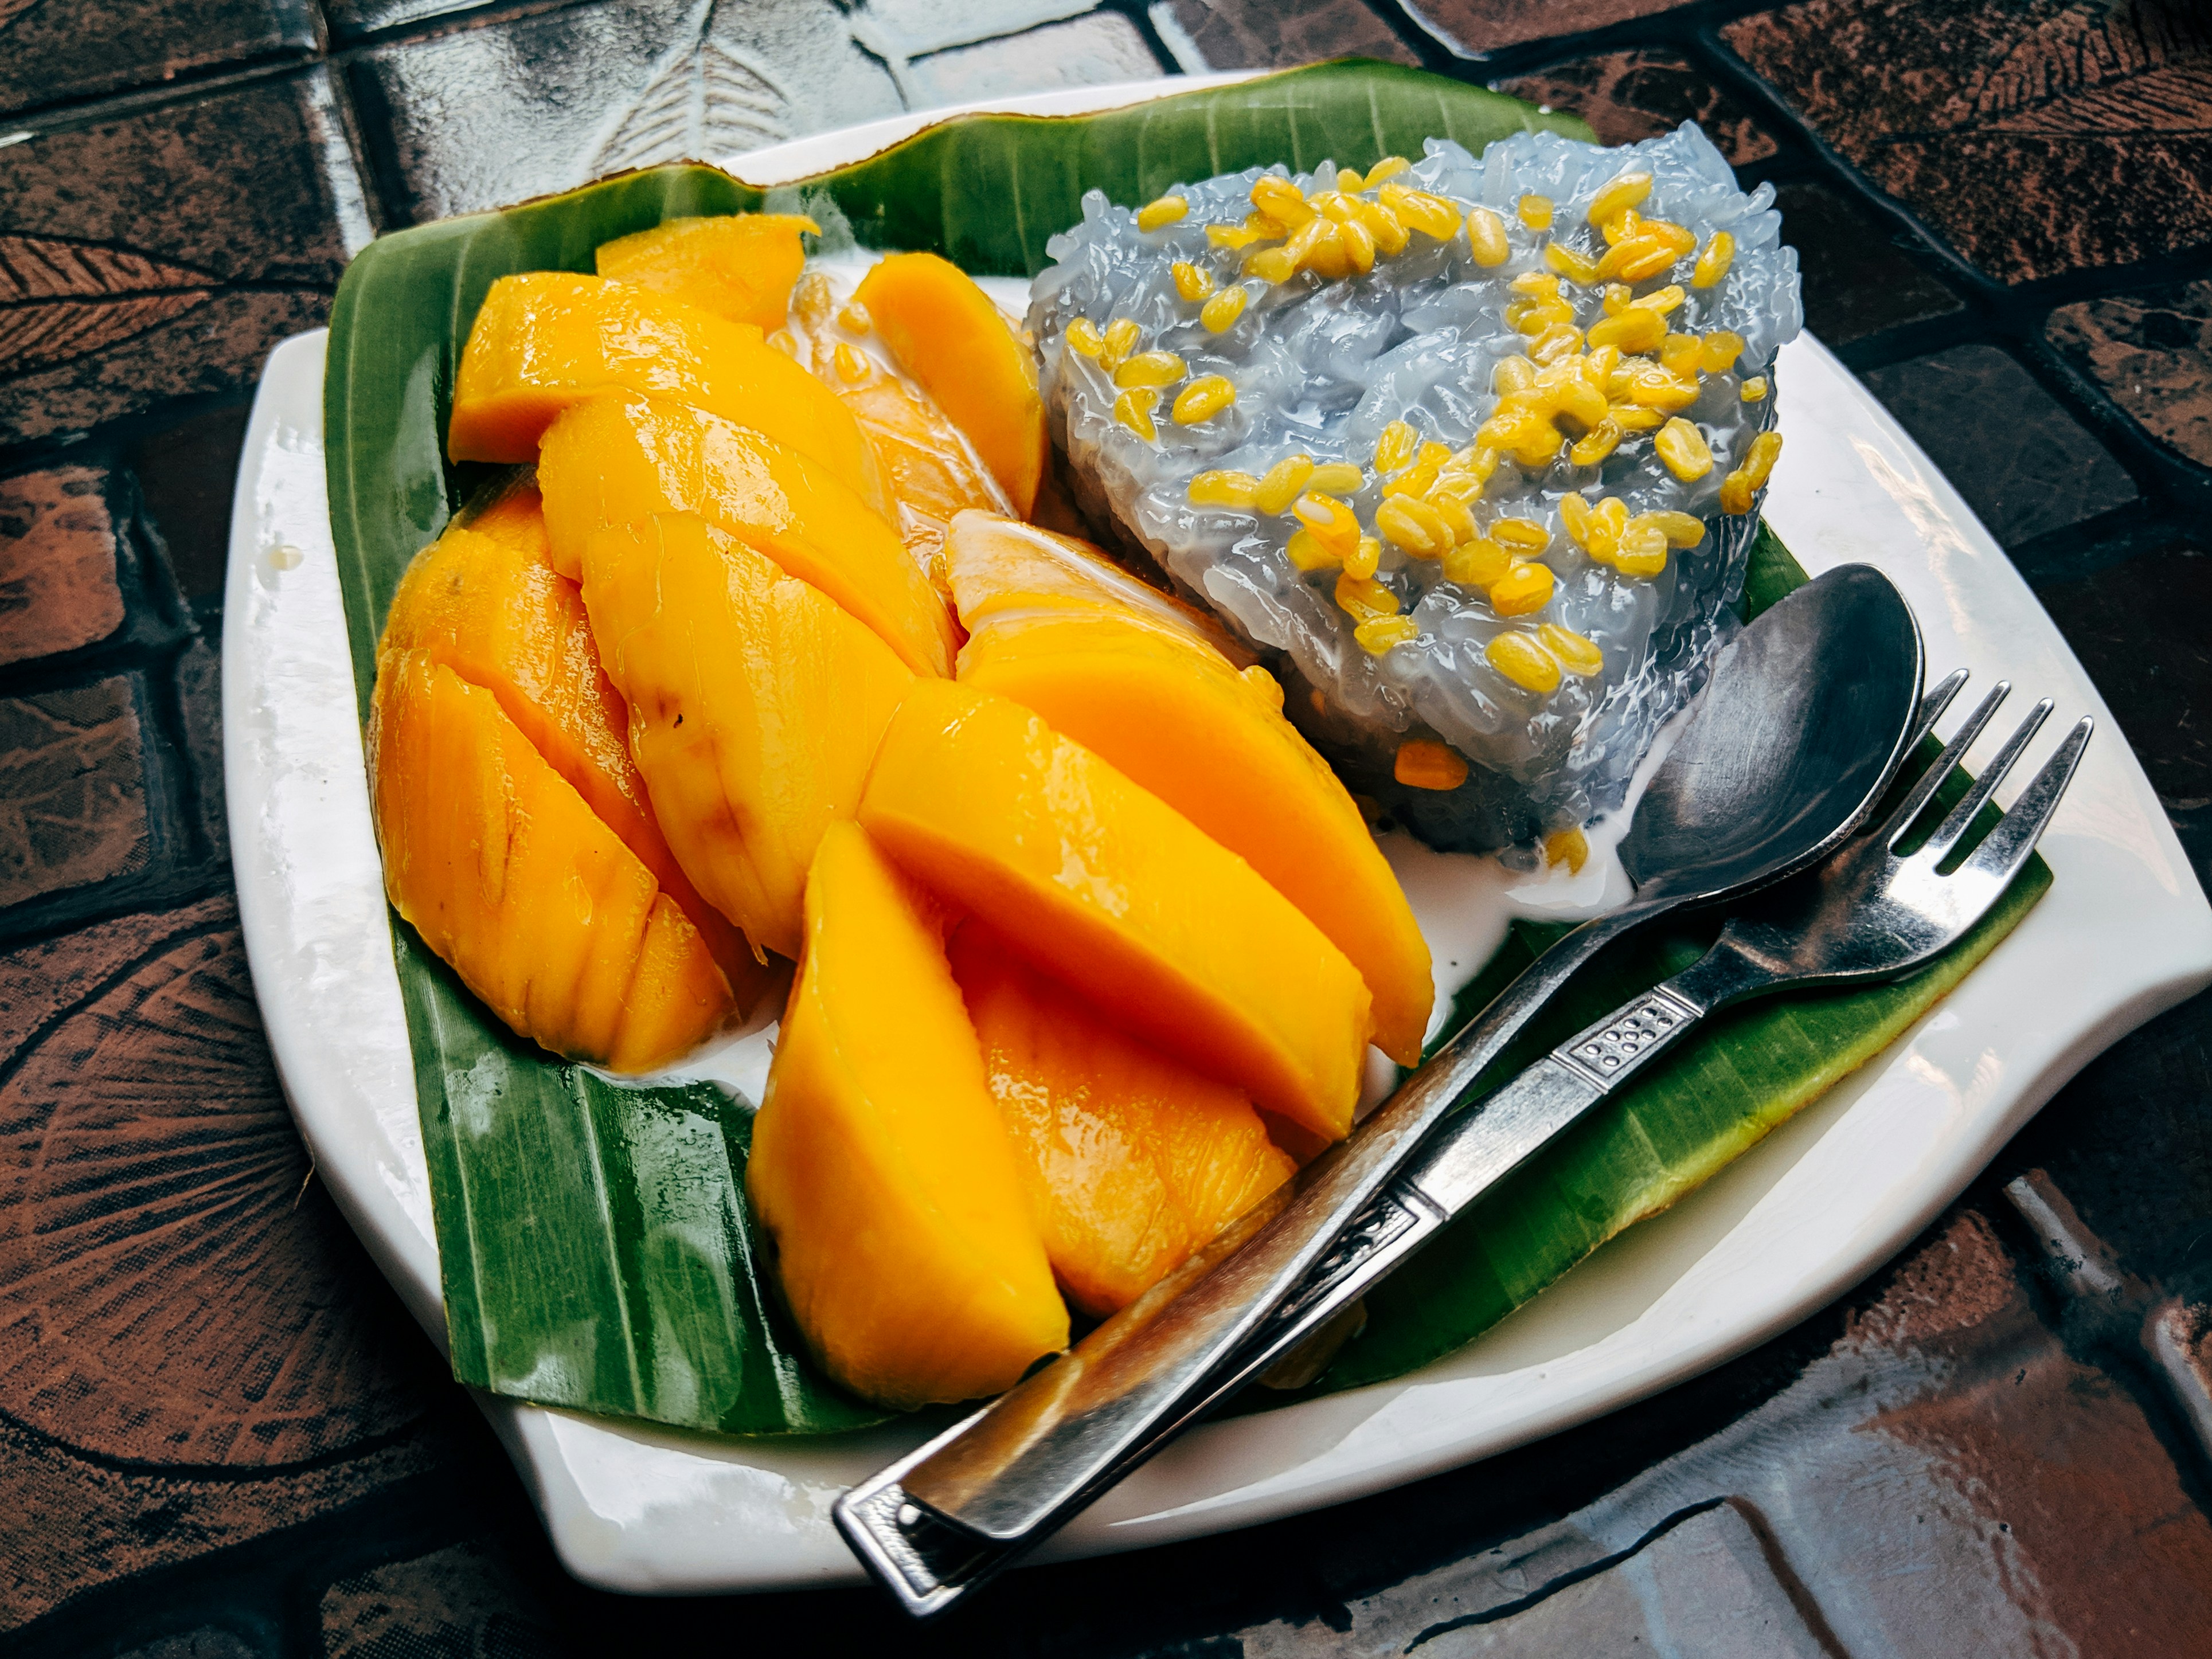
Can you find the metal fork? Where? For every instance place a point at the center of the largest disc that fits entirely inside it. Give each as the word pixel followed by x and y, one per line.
pixel 1871 912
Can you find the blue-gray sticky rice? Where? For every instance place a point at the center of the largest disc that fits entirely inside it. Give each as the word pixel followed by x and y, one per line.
pixel 1323 365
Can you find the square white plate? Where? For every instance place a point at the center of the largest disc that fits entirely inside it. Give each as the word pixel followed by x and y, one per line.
pixel 2123 934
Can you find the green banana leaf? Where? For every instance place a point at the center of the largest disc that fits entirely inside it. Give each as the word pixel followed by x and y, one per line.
pixel 593 1243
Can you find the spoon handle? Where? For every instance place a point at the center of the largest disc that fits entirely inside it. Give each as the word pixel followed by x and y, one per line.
pixel 1006 1477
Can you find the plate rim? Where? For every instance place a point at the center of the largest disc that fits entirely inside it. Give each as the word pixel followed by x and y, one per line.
pixel 544 1441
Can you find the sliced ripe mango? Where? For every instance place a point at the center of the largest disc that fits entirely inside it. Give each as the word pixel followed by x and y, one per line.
pixel 1171 714
pixel 1106 887
pixel 510 878
pixel 487 606
pixel 929 471
pixel 546 339
pixel 1132 1160
pixel 754 707
pixel 621 458
pixel 738 266
pixel 997 566
pixel 879 1168
pixel 944 331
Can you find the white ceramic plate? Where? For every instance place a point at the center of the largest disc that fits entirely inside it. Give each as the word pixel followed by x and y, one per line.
pixel 2125 933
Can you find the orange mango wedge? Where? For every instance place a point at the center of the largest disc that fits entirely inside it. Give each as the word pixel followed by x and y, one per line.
pixel 498 863
pixel 741 266
pixel 1133 1161
pixel 880 1170
pixel 1109 670
pixel 1104 886
pixel 944 331
pixel 546 339
pixel 482 601
pixel 755 707
pixel 620 458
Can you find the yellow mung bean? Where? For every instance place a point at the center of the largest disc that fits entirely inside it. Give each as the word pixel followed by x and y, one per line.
pixel 1432 215
pixel 1407 521
pixel 1664 301
pixel 1534 212
pixel 1191 281
pixel 1203 398
pixel 1161 212
pixel 1363 596
pixel 1337 478
pixel 1595 445
pixel 1524 588
pixel 1235 238
pixel 1389 168
pixel 1237 489
pixel 1616 197
pixel 854 316
pixel 1447 506
pixel 1083 337
pixel 1331 522
pixel 1512 375
pixel 1574 266
pixel 1574 514
pixel 1718 351
pixel 1308 554
pixel 1680 354
pixel 1385 633
pixel 1578 655
pixel 1274 265
pixel 851 363
pixel 1133 409
pixel 1554 343
pixel 1278 199
pixel 1634 418
pixel 1714 262
pixel 1364 559
pixel 1359 243
pixel 1525 662
pixel 1486 237
pixel 1567 846
pixel 1283 483
pixel 1120 338
pixel 1632 330
pixel 1424 763
pixel 1684 448
pixel 1754 389
pixel 1477 563
pixel 1150 369
pixel 1388 230
pixel 1680 529
pixel 1521 533
pixel 1394 447
pixel 1221 311
pixel 1623 227
pixel 1759 461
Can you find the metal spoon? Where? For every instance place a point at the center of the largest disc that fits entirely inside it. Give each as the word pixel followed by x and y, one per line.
pixel 1807 713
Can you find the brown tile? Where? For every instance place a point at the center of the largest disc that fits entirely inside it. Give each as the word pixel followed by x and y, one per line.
pixel 469 1598
pixel 1226 35
pixel 54 51
pixel 2152 353
pixel 1856 278
pixel 59 579
pixel 1627 96
pixel 2138 628
pixel 199 698
pixel 2038 139
pixel 185 473
pixel 2023 464
pixel 1478 26
pixel 193 1350
pixel 241 211
pixel 490 115
pixel 73 790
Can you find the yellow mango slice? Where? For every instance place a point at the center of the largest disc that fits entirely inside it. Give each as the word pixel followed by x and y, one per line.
pixel 546 339
pixel 944 331
pixel 929 472
pixel 1106 887
pixel 738 266
pixel 1172 714
pixel 621 458
pixel 1133 1161
pixel 487 606
pixel 903 1238
pixel 497 862
pixel 754 707
pixel 999 567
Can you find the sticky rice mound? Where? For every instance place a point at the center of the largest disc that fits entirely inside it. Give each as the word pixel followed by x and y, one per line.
pixel 1470 450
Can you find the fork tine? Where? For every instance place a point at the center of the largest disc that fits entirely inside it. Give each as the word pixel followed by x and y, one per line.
pixel 1960 817
pixel 2006 847
pixel 1894 827
pixel 1932 706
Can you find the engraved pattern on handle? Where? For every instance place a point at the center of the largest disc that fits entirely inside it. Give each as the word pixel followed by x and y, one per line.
pixel 1613 1048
